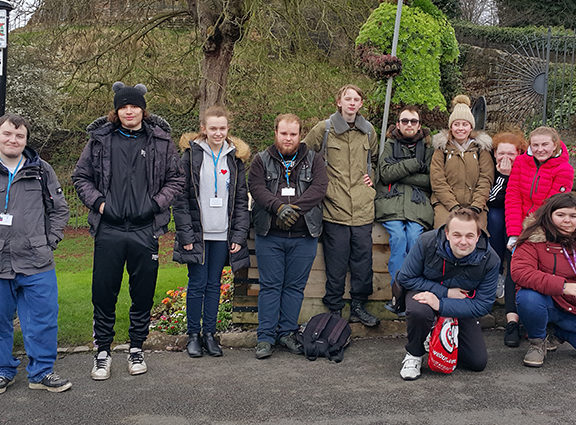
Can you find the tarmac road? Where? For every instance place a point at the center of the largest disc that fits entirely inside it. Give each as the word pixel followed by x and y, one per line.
pixel 365 389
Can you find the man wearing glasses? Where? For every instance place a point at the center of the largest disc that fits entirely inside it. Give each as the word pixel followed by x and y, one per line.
pixel 402 202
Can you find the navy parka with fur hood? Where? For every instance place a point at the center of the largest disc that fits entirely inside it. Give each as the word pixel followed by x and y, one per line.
pixel 187 209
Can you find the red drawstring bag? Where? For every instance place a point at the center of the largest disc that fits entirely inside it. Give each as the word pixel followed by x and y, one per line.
pixel 443 349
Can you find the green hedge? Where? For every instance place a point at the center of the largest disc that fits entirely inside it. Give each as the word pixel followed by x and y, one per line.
pixel 489 36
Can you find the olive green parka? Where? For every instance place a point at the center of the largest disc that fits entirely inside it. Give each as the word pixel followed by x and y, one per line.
pixel 403 189
pixel 351 152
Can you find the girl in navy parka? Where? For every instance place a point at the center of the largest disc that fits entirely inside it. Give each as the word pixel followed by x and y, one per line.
pixel 212 222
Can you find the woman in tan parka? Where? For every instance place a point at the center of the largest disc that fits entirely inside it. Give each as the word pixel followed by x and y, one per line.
pixel 462 169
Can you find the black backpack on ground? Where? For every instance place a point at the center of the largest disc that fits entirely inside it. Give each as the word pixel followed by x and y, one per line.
pixel 325 335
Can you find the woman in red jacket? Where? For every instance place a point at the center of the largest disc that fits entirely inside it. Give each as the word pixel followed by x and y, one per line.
pixel 544 269
pixel 536 175
pixel 542 171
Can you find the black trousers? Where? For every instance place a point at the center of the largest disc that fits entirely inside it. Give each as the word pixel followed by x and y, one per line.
pixel 114 248
pixel 509 287
pixel 347 248
pixel 420 318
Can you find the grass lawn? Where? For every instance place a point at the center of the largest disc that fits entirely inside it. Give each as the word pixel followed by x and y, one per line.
pixel 74 271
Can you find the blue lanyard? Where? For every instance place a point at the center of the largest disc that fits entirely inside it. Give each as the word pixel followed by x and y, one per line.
pixel 10 180
pixel 215 161
pixel 287 166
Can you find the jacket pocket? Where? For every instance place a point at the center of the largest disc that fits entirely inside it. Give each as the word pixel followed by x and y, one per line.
pixel 36 253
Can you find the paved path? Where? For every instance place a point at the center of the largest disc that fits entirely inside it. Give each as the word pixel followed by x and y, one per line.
pixel 365 389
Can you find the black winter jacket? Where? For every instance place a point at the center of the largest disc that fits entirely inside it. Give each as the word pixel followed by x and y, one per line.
pixel 92 174
pixel 187 210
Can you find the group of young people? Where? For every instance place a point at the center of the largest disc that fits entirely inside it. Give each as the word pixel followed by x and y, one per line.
pixel 333 186
pixel 486 197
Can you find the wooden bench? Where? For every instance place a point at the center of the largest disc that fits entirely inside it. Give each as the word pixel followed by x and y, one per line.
pixel 245 303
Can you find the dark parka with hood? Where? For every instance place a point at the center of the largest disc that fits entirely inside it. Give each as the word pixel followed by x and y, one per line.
pixel 403 187
pixel 26 246
pixel 186 209
pixel 165 180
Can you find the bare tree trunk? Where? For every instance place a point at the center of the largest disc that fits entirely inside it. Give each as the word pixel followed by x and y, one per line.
pixel 221 23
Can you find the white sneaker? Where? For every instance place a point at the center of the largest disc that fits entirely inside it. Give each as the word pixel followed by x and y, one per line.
pixel 136 363
pixel 102 365
pixel 411 367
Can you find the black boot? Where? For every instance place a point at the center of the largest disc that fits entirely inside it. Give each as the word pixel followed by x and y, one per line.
pixel 211 345
pixel 194 347
pixel 359 314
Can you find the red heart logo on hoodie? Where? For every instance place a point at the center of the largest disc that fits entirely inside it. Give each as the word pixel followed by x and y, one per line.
pixel 223 171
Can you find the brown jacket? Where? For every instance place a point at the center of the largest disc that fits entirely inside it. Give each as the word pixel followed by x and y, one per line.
pixel 460 179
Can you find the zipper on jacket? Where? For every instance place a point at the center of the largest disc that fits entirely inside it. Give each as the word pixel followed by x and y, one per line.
pixel 231 208
pixel 193 182
pixel 534 187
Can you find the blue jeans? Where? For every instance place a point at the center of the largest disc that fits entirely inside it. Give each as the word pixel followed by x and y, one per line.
pixel 283 265
pixel 36 298
pixel 537 310
pixel 203 295
pixel 403 235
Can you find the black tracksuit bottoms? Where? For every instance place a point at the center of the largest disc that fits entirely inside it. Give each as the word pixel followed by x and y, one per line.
pixel 114 247
pixel 347 248
pixel 472 354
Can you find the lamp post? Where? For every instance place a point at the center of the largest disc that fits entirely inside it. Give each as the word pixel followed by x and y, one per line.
pixel 5 8
pixel 389 83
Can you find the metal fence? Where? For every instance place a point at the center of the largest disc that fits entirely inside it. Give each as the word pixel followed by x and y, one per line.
pixel 536 82
pixel 78 212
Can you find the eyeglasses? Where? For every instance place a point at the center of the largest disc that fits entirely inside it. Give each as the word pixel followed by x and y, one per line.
pixel 413 121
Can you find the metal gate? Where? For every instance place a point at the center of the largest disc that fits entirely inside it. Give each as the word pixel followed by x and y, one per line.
pixel 536 82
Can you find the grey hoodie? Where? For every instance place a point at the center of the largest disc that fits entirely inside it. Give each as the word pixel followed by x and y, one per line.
pixel 214 219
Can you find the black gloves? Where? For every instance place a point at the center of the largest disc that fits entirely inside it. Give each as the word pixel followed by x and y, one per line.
pixel 423 167
pixel 287 216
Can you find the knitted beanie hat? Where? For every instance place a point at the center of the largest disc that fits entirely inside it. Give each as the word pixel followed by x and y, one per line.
pixel 461 110
pixel 127 95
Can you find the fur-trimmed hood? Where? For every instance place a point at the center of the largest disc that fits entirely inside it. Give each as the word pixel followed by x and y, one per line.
pixel 152 120
pixel 539 235
pixel 242 148
pixel 483 141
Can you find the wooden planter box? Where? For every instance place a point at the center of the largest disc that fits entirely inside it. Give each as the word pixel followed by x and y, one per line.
pixel 245 303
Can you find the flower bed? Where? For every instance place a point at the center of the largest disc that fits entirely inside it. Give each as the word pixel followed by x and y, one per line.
pixel 170 315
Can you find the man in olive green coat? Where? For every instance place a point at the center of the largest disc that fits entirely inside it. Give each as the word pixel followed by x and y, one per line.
pixel 350 147
pixel 403 189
